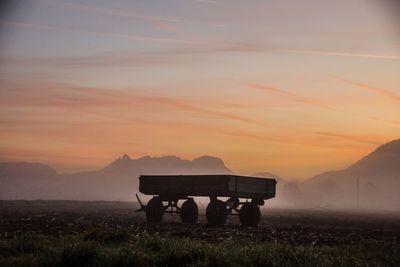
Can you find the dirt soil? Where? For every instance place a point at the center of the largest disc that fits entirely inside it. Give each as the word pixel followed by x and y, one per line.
pixel 308 227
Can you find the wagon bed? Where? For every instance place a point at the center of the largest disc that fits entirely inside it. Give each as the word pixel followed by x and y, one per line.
pixel 208 185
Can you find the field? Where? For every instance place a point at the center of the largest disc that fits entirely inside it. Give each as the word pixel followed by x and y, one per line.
pixel 68 233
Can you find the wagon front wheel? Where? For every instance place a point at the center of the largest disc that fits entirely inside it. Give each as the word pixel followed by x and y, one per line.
pixel 216 213
pixel 154 210
pixel 250 214
pixel 189 211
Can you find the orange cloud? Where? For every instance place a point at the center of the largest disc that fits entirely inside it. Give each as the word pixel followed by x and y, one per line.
pixel 287 94
pixel 289 139
pixel 164 26
pixel 312 102
pixel 341 54
pixel 374 89
pixel 84 99
pixel 361 139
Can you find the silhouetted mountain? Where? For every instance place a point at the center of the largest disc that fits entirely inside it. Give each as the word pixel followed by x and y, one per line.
pixel 117 181
pixel 13 170
pixel 383 164
pixel 168 165
pixel 384 161
pixel 20 180
pixel 373 181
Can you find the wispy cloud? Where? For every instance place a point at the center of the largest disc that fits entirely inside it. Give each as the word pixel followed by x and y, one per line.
pixel 313 102
pixel 126 36
pixel 288 94
pixel 306 141
pixel 207 1
pixel 52 95
pixel 341 54
pixel 125 13
pixel 164 23
pixel 381 91
pixel 360 139
pixel 134 58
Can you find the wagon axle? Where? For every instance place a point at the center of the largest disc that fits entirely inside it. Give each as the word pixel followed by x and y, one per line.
pixel 217 210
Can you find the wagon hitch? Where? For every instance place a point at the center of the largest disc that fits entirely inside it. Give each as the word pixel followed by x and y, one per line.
pixel 142 206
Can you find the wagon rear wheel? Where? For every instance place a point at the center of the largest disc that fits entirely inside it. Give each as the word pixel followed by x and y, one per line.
pixel 249 214
pixel 216 213
pixel 189 211
pixel 154 210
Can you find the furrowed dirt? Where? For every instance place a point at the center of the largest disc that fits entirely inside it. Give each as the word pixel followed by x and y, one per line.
pixel 303 227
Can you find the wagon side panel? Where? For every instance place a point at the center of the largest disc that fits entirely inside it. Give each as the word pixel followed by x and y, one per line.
pixel 248 187
pixel 184 185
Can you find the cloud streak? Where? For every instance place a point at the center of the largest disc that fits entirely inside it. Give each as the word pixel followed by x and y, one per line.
pixel 312 102
pixel 123 13
pixel 74 98
pixel 341 54
pixel 125 36
pixel 166 24
pixel 300 141
pixel 359 139
pixel 378 90
pixel 289 95
pixel 207 1
pixel 133 58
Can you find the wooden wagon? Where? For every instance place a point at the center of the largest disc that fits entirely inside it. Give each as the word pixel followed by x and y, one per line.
pixel 168 190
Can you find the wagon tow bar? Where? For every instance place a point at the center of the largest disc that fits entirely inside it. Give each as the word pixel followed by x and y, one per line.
pixel 142 207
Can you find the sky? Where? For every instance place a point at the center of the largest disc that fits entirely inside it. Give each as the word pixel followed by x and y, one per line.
pixel 289 87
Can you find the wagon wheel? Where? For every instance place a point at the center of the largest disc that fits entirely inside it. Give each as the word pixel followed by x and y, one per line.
pixel 216 213
pixel 249 214
pixel 154 210
pixel 189 211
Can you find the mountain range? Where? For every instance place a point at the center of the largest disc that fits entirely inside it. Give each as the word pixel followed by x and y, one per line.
pixel 371 182
pixel 116 181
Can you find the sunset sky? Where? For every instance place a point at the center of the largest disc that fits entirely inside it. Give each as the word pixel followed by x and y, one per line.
pixel 289 87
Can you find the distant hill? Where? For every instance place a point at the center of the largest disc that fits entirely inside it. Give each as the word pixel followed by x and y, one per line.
pixel 116 181
pixel 382 164
pixel 15 170
pixel 372 182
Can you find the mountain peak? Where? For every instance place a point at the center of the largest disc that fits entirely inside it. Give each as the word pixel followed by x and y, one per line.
pixel 121 162
pixel 213 164
pixel 208 159
pixel 385 160
pixel 125 157
pixel 390 147
pixel 382 164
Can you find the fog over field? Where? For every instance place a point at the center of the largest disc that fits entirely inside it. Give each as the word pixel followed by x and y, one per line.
pixel 371 183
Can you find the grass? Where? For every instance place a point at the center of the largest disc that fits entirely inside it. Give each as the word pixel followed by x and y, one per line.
pixel 121 248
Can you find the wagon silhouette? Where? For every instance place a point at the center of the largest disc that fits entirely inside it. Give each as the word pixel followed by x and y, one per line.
pixel 168 190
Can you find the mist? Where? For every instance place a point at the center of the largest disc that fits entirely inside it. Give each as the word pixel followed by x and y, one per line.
pixel 372 183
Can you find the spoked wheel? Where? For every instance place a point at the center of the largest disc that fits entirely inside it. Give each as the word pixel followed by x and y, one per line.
pixel 216 213
pixel 189 211
pixel 154 210
pixel 249 214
